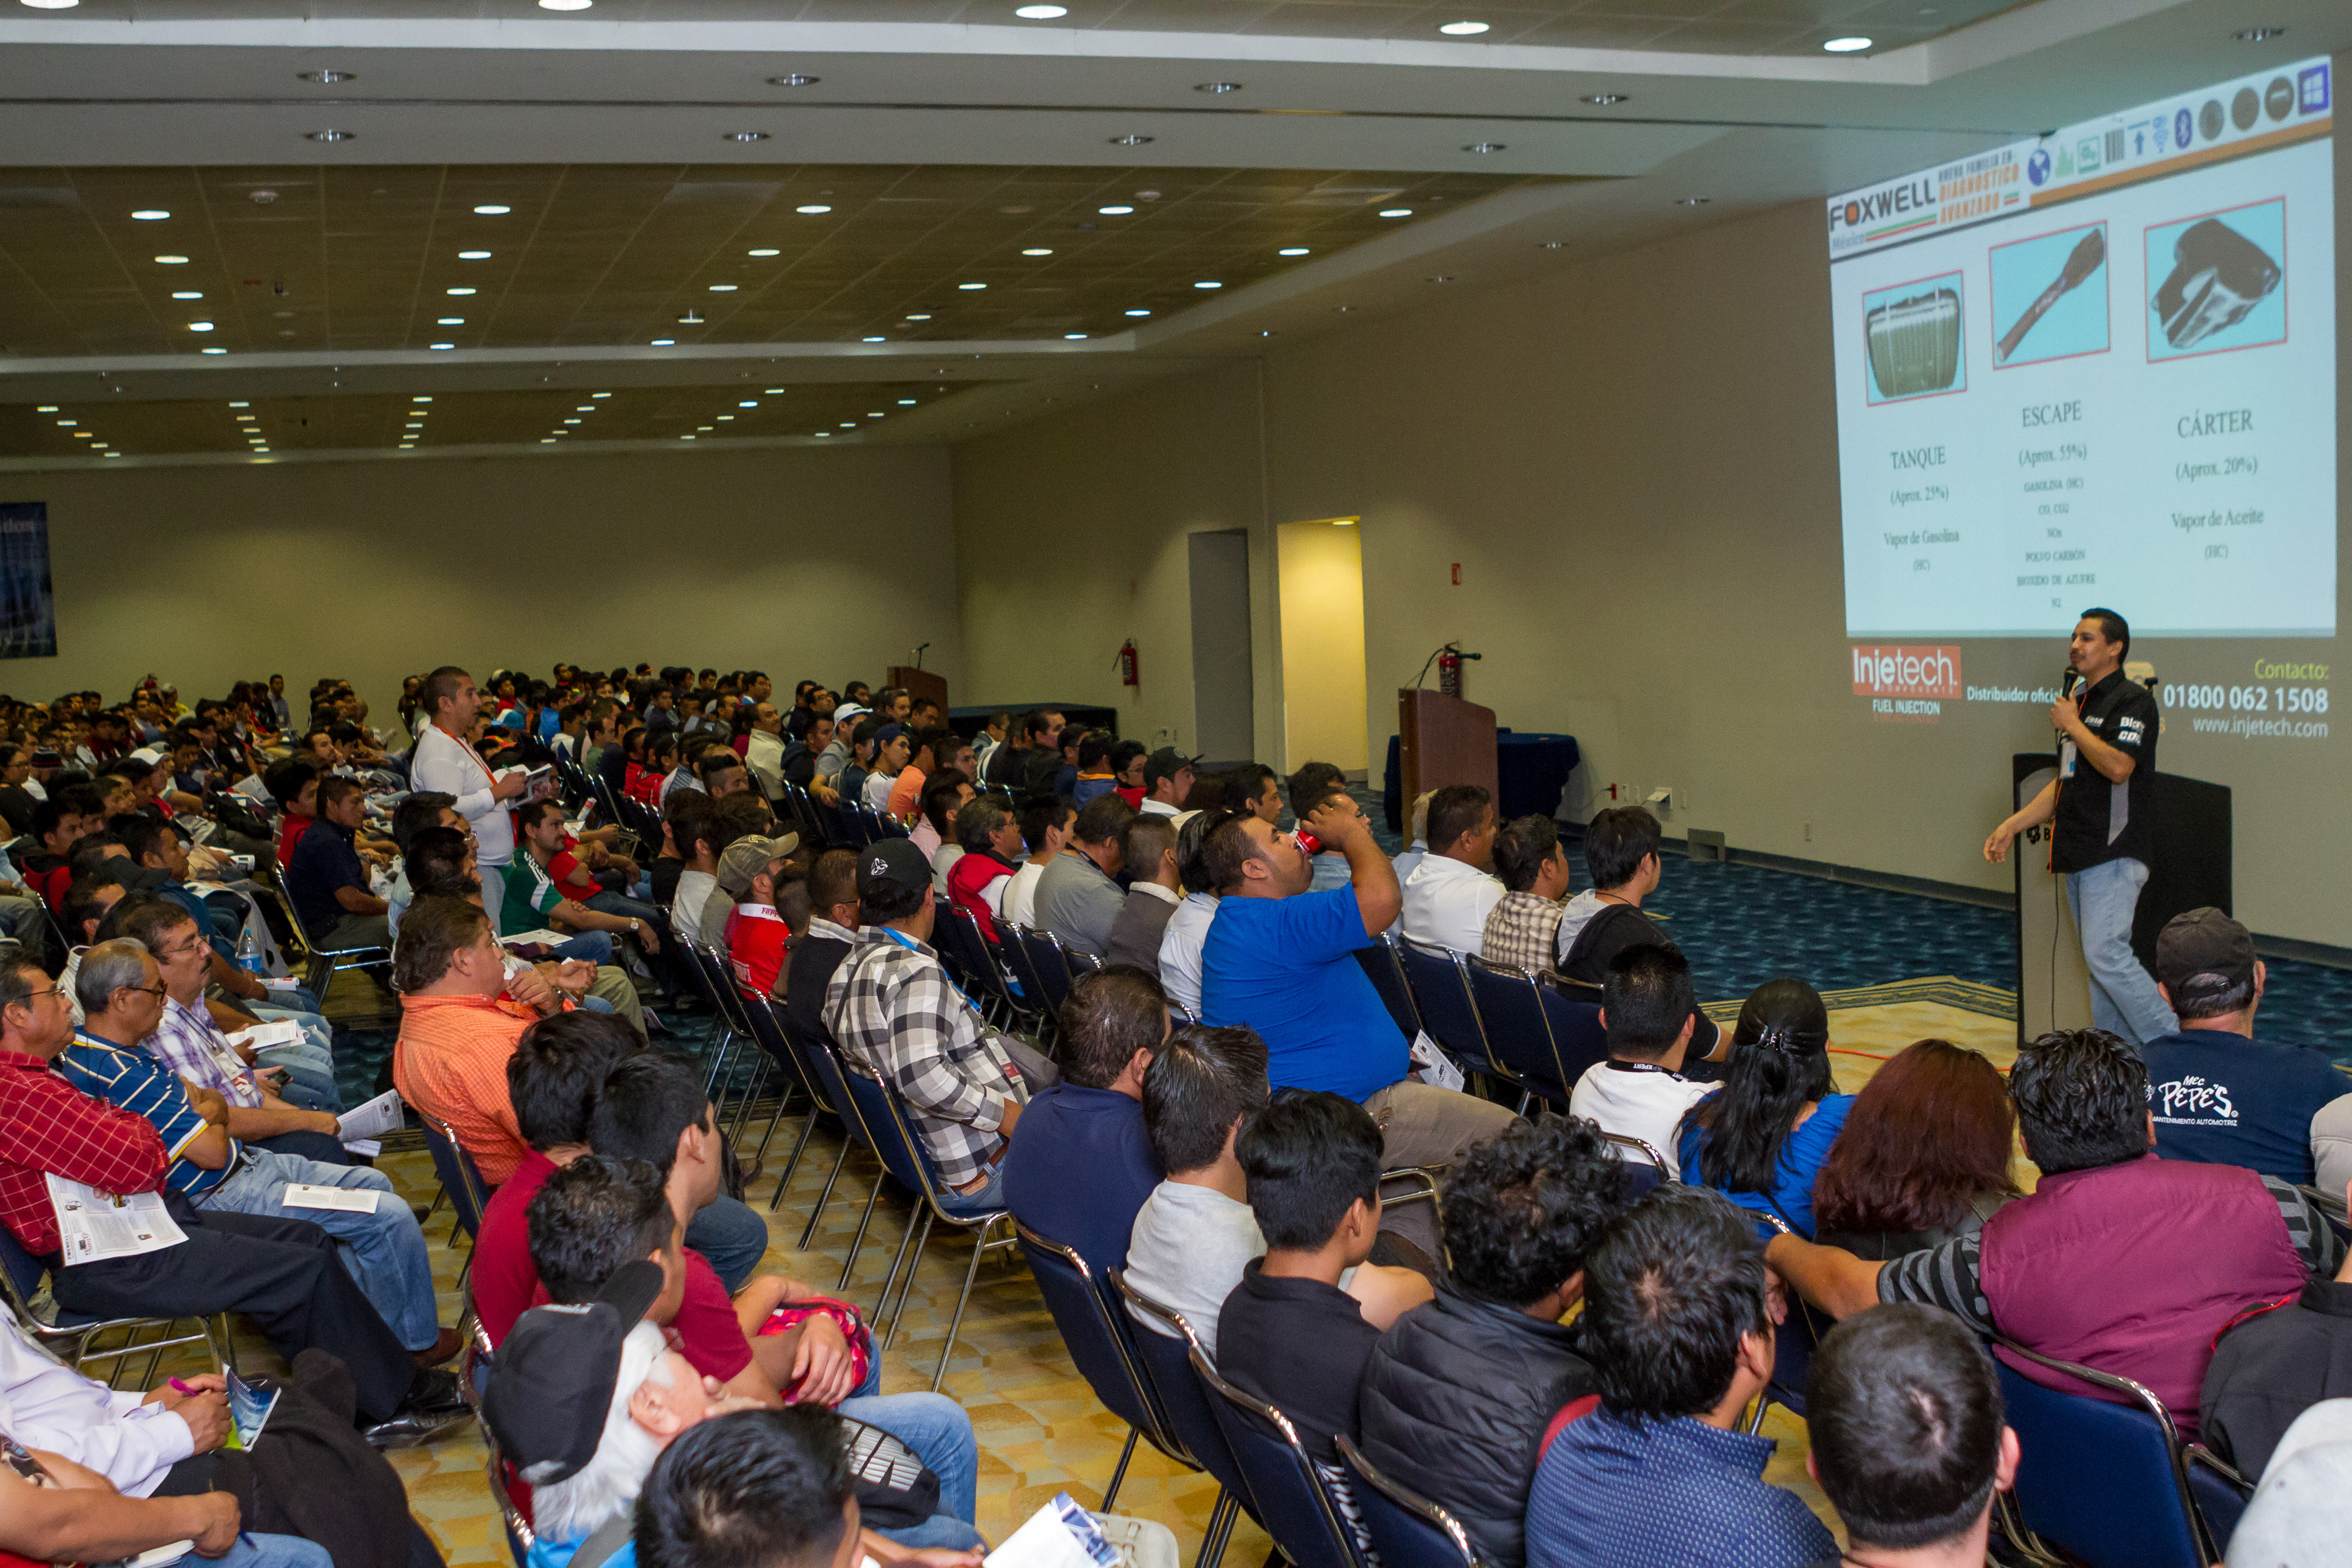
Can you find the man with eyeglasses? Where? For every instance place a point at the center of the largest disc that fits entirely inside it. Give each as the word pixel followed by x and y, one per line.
pixel 124 997
pixel 278 1269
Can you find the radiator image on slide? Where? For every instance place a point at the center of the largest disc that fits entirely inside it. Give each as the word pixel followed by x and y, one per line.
pixel 1914 335
pixel 2223 289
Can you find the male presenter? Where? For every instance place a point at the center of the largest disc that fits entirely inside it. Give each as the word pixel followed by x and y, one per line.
pixel 2102 803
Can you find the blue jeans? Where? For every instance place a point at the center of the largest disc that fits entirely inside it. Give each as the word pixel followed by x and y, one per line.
pixel 731 1237
pixel 384 1251
pixel 310 1063
pixel 989 1195
pixel 253 1551
pixel 591 946
pixel 2124 999
pixel 940 1433
pixel 626 908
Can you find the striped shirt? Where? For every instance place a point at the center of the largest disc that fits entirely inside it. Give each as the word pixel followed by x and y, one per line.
pixel 134 1082
pixel 47 1126
pixel 450 1063
pixel 187 1043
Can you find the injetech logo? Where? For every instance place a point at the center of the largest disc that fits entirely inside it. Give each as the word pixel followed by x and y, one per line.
pixel 1906 673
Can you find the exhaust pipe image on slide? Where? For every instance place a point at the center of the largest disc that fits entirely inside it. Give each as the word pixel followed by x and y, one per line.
pixel 1914 343
pixel 2218 275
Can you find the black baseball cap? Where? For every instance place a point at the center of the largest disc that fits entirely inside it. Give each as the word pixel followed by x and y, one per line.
pixel 1165 764
pixel 551 1379
pixel 2203 954
pixel 892 863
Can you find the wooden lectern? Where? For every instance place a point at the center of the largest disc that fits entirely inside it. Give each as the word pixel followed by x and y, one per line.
pixel 921 683
pixel 1443 741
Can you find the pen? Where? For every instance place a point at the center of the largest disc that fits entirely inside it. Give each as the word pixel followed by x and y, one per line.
pixel 179 1388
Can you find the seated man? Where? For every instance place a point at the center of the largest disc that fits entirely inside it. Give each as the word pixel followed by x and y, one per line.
pixel 535 899
pixel 1288 1333
pixel 1660 1475
pixel 1621 849
pixel 1282 960
pixel 283 1272
pixel 1458 1393
pixel 383 1246
pixel 1083 1165
pixel 1651 1013
pixel 294 785
pixel 896 1017
pixel 832 933
pixel 1188 926
pixel 2275 1361
pixel 63 820
pixel 2175 1249
pixel 773 916
pixel 946 791
pixel 1078 899
pixel 1044 831
pixel 695 833
pixel 1168 778
pixel 1449 894
pixel 748 858
pixel 1149 851
pixel 441 865
pixel 1904 1409
pixel 2218 1094
pixel 327 879
pixel 989 839
pixel 1523 928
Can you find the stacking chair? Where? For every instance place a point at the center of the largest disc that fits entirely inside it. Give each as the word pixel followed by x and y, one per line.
pixel 1640 1179
pixel 1097 1344
pixel 1386 974
pixel 734 1013
pixel 983 960
pixel 1441 994
pixel 1293 1502
pixel 1408 1530
pixel 1518 1031
pixel 460 1178
pixel 768 1033
pixel 2220 1493
pixel 1183 1400
pixel 1576 1037
pixel 1021 965
pixel 322 961
pixel 71 1336
pixel 2102 1481
pixel 1794 1342
pixel 1049 961
pixel 821 1071
pixel 520 1537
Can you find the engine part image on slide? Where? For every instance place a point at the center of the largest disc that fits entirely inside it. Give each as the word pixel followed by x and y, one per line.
pixel 1914 343
pixel 2218 275
pixel 2084 261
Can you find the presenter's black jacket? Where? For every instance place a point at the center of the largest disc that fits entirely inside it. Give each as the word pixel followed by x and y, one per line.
pixel 2097 821
pixel 1454 1403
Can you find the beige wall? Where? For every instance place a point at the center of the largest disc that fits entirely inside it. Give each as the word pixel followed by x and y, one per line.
pixel 815 563
pixel 1321 569
pixel 1634 462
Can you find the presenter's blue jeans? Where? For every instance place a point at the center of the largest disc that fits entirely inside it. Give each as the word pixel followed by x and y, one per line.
pixel 2124 997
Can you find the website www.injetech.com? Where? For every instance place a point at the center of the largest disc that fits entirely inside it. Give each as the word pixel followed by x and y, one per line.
pixel 2284 702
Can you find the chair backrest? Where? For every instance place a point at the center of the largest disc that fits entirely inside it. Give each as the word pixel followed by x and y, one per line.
pixel 804 1052
pixel 469 1193
pixel 891 1133
pixel 1629 1145
pixel 1408 1530
pixel 2220 1493
pixel 1380 962
pixel 1082 1310
pixel 1519 1032
pixel 1050 963
pixel 21 1271
pixel 1079 960
pixel 2104 1481
pixel 1182 1399
pixel 1576 1037
pixel 1441 994
pixel 768 1031
pixel 1020 961
pixel 1293 1504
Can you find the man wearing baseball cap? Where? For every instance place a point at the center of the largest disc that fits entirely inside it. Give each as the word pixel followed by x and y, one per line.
pixel 742 862
pixel 898 1018
pixel 750 873
pixel 1167 779
pixel 2218 1095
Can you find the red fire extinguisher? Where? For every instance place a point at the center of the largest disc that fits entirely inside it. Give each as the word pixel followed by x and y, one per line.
pixel 1128 673
pixel 1449 671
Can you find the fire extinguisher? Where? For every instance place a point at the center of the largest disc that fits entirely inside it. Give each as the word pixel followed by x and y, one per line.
pixel 1449 670
pixel 1127 673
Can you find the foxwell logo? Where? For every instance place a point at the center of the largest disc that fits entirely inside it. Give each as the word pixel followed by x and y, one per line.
pixel 1907 675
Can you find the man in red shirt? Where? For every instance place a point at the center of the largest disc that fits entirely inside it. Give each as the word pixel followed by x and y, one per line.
pixel 760 930
pixel 294 785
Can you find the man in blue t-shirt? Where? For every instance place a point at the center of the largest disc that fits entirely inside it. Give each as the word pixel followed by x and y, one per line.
pixel 2218 1096
pixel 1281 960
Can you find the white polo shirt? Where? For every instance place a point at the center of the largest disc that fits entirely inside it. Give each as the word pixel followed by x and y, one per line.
pixel 1446 903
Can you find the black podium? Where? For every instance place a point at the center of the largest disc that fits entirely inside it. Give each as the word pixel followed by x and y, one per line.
pixel 2191 871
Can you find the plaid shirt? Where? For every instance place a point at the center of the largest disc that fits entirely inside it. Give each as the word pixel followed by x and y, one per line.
pixel 1521 930
pixel 48 1125
pixel 187 1043
pixel 899 1019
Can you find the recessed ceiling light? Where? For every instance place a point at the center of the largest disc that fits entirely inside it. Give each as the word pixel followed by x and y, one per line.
pixel 743 136
pixel 241 405
pixel 1443 278
pixel 813 209
pixel 1040 13
pixel 1073 337
pixel 722 288
pixel 1692 201
pixel 2258 34
pixel 1553 245
pixel 565 4
pixel 1039 250
pixel 326 78
pixel 1605 100
pixel 492 209
pixel 722 419
pixel 212 350
pixel 764 250
pixel 451 322
pixel 665 342
pixel 441 345
pixel 872 340
pixel 1139 312
pixel 1484 147
pixel 906 402
pixel 331 136
pixel 422 397
pixel 1115 211
pixel 200 326
pixel 970 286
pixel 876 413
pixel 461 292
pixel 1219 88
pixel 572 421
pixel 849 423
pixel 171 261
pixel 794 78
pixel 473 256
pixel 1396 212
pixel 187 294
pixel 1292 250
pixel 1847 46
pixel 1462 29
pixel 150 215
pixel 705 428
pixel 52 409
pixel 1204 284
pixel 600 395
pixel 53 5
pixel 821 435
pixel 1129 141
pixel 920 316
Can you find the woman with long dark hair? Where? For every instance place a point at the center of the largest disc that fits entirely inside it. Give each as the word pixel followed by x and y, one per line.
pixel 1925 1156
pixel 1762 1137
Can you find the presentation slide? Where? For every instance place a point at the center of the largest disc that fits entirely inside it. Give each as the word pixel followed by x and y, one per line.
pixel 2097 367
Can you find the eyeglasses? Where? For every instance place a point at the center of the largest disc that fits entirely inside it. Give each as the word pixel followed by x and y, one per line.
pixel 157 991
pixel 181 949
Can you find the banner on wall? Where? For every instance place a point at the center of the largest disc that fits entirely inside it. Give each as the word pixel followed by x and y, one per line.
pixel 28 612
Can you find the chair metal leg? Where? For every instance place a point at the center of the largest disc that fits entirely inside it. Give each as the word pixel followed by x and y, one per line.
pixel 882 1298
pixel 822 1199
pixel 750 1096
pixel 1220 1531
pixel 865 1221
pixel 963 1298
pixel 808 1130
pixel 783 1105
pixel 1111 1493
pixel 908 1288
